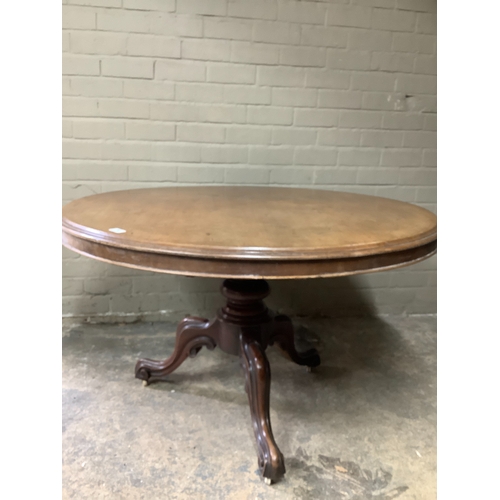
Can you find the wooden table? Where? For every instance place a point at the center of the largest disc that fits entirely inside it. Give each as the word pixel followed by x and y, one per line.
pixel 247 235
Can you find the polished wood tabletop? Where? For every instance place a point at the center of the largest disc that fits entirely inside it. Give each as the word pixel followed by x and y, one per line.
pixel 249 232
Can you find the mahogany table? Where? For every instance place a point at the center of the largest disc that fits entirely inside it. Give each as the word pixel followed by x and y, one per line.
pixel 247 235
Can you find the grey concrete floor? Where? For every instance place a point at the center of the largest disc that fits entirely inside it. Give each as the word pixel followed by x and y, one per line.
pixel 361 426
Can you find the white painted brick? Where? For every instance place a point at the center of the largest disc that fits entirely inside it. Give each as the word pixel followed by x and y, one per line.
pixel 348 59
pixel 429 158
pixel 417 84
pixel 98 129
pixel 245 94
pixel 207 174
pixel 108 285
pixel 382 138
pixel 257 9
pixel 255 53
pixel 187 71
pixel 65 41
pixel 321 36
pixel 207 7
pixel 152 46
pixel 377 176
pixel 126 150
pixel 294 97
pixel 373 81
pixel 84 305
pixel 315 156
pixel 393 20
pixel 222 114
pixel 206 50
pixel 327 79
pixel 80 65
pixel 420 139
pixel 417 176
pixel 316 117
pixel 426 65
pixel 186 153
pixel 139 303
pixel 275 32
pixel 152 172
pixel 301 12
pixel 248 135
pixel 294 136
pixel 270 155
pixel 95 3
pixel 148 89
pixel 294 176
pixel 426 195
pixel 420 44
pixel 198 92
pixel 126 21
pixel 66 86
pixel 270 115
pixel 362 39
pixel 123 108
pixel 335 175
pixel 422 103
pixel 237 175
pixel 281 77
pixel 67 128
pixel 385 4
pixel 149 131
pixel 340 99
pixel 359 157
pixel 417 5
pixel 389 61
pixel 426 23
pixel 360 119
pixel 400 158
pixel 224 154
pixel 102 171
pixel 174 112
pixel 153 5
pixel 73 191
pixel 228 29
pixel 403 121
pixel 127 67
pixel 303 56
pixel 170 25
pixel 230 73
pixel 339 137
pixel 72 286
pixel 74 106
pixel 72 148
pixel 98 42
pixel 390 101
pixel 78 18
pixel 96 87
pixel 191 132
pixel 349 15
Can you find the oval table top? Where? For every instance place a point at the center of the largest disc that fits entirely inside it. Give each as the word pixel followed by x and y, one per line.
pixel 249 232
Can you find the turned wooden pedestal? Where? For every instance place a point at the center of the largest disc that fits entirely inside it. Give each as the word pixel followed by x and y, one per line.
pixel 244 327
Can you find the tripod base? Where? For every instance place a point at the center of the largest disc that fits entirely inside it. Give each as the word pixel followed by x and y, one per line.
pixel 244 327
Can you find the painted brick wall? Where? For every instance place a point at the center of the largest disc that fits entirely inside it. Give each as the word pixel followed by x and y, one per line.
pixel 324 94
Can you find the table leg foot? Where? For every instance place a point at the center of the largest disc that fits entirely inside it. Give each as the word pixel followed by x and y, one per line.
pixel 258 384
pixel 192 334
pixel 282 335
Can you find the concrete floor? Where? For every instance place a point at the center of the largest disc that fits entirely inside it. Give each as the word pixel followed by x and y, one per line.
pixel 361 426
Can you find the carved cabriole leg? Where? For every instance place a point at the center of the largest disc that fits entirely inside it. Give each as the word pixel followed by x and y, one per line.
pixel 258 385
pixel 192 334
pixel 282 335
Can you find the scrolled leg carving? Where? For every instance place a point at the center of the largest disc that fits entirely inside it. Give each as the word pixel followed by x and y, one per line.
pixel 257 385
pixel 282 335
pixel 192 334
